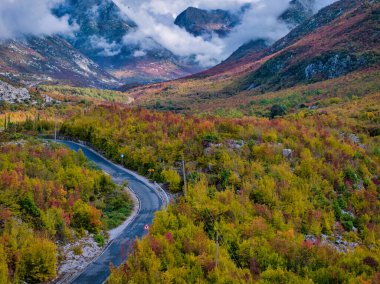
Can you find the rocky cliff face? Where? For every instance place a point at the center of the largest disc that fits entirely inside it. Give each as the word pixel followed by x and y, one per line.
pixel 101 26
pixel 333 66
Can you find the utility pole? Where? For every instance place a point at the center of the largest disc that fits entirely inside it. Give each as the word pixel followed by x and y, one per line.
pixel 9 121
pixel 216 249
pixel 55 128
pixel 184 174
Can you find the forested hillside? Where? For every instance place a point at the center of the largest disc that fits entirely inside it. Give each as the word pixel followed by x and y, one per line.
pixel 49 196
pixel 288 200
pixel 270 160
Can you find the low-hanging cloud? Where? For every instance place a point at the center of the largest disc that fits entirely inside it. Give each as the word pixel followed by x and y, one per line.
pixel 105 48
pixel 155 21
pixel 156 28
pixel 31 17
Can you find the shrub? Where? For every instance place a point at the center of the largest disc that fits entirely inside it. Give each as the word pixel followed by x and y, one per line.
pixel 39 261
pixel 78 250
pixel 100 240
pixel 277 110
pixel 173 179
pixel 86 217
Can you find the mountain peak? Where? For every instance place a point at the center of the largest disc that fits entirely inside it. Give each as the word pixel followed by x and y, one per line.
pixel 298 12
pixel 204 23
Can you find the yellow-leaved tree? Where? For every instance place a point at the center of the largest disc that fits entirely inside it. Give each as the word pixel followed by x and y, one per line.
pixel 3 266
pixel 173 178
pixel 39 261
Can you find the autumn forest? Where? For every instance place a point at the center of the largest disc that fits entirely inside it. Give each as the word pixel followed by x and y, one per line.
pixel 263 169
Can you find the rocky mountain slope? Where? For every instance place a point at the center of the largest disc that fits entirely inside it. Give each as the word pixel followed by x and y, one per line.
pixel 12 95
pixel 95 55
pixel 297 13
pixel 102 27
pixel 340 39
pixel 32 60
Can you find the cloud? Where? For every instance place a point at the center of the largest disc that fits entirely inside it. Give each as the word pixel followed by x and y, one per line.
pixel 156 29
pixel 261 21
pixel 106 48
pixel 155 21
pixel 20 17
pixel 139 53
pixel 152 34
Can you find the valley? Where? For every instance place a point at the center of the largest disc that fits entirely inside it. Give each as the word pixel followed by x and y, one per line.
pixel 264 168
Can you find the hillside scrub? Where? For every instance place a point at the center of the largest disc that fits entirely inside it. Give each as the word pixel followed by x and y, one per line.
pixel 309 216
pixel 75 93
pixel 48 195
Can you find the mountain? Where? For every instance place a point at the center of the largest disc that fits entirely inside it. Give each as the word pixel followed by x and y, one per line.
pixel 95 55
pixel 308 34
pixel 205 23
pixel 297 12
pixel 100 36
pixel 340 39
pixel 50 59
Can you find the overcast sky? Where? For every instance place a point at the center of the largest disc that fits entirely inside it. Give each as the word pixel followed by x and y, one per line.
pixel 155 20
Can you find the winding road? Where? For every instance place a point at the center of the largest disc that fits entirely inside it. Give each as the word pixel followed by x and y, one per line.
pixel 119 249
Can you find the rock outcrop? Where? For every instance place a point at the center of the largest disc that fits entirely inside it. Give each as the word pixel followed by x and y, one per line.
pixel 13 95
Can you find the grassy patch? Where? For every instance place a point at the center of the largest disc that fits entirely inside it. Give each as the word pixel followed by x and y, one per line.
pixel 118 207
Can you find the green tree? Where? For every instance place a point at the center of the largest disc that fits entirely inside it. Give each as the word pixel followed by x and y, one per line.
pixel 86 217
pixel 277 110
pixel 39 261
pixel 280 276
pixel 3 266
pixel 173 178
pixel 81 157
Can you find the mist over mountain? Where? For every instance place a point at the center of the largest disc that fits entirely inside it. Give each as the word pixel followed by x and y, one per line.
pixel 221 23
pixel 136 41
pixel 205 23
pixel 189 141
pixel 340 39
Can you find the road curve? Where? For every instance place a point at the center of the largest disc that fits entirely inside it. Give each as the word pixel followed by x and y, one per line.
pixel 117 252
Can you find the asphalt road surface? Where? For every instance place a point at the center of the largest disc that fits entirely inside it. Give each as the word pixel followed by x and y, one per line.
pixel 117 252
